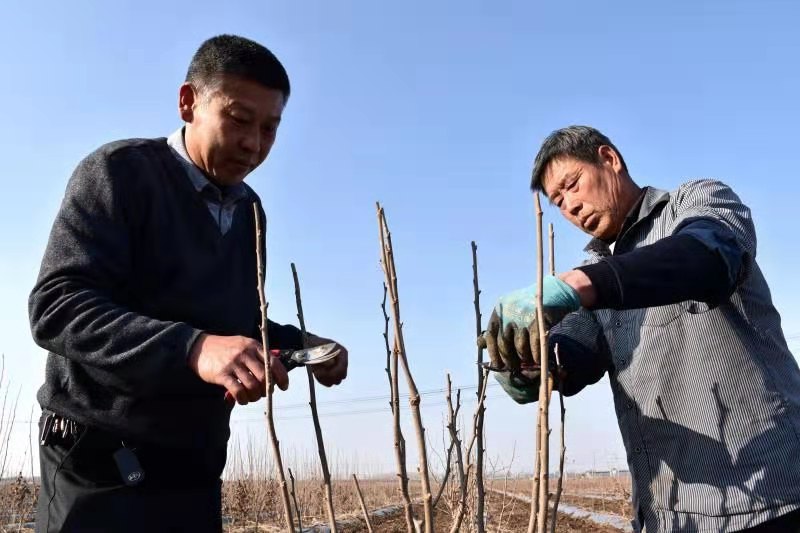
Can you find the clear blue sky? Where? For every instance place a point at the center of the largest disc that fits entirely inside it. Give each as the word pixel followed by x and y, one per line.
pixel 436 110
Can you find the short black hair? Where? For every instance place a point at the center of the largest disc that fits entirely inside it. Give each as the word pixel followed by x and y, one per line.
pixel 579 142
pixel 238 56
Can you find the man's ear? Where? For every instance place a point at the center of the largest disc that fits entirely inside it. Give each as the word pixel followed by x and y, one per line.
pixel 187 97
pixel 610 157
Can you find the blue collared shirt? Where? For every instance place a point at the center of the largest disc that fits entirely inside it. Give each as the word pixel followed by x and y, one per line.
pixel 221 202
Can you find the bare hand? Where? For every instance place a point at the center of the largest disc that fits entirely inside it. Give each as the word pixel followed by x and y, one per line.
pixel 237 364
pixel 330 372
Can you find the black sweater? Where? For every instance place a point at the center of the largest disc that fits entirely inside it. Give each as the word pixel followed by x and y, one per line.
pixel 135 270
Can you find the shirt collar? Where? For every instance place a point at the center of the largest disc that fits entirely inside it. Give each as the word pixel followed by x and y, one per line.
pixel 648 201
pixel 197 176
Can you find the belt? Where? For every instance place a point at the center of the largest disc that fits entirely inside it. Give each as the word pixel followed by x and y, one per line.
pixel 58 428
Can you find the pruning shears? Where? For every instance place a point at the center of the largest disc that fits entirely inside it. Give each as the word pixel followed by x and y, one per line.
pixel 306 356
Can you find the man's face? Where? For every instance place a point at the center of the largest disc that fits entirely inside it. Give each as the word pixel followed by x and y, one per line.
pixel 230 128
pixel 592 197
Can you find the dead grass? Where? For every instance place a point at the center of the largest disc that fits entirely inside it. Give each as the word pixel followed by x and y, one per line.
pixel 253 504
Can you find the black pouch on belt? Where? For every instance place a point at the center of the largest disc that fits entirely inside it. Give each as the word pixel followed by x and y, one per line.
pixel 129 467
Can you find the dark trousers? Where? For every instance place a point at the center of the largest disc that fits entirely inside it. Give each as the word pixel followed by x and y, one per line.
pixel 82 490
pixel 788 523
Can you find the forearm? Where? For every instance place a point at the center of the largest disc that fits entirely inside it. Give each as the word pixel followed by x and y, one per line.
pixel 579 366
pixel 701 263
pixel 81 324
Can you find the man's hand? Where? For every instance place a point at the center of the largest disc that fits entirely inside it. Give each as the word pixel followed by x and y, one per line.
pixel 517 349
pixel 331 372
pixel 513 323
pixel 235 363
pixel 512 334
pixel 582 285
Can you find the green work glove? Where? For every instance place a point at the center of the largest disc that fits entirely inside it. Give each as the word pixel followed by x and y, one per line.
pixel 522 387
pixel 512 335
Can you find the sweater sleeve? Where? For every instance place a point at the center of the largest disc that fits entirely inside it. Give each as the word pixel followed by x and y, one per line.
pixel 582 351
pixel 77 307
pixel 708 254
pixel 283 336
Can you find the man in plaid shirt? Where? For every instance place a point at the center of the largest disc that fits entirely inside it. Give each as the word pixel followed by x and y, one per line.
pixel 672 305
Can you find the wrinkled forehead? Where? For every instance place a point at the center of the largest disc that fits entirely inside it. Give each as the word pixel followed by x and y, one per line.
pixel 230 90
pixel 559 170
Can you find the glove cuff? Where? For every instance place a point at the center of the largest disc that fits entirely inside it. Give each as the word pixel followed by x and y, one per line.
pixel 560 294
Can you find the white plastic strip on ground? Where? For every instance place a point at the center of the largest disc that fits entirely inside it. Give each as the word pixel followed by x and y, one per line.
pixel 594 496
pixel 383 512
pixel 612 520
pixel 615 521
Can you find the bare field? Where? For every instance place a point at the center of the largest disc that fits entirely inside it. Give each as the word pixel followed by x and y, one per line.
pixel 504 513
pixel 600 494
pixel 253 504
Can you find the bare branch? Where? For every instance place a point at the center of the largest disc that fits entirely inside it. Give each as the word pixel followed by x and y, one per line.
pixel 563 450
pixel 363 505
pixel 386 342
pixel 399 441
pixel 544 381
pixel 276 447
pixel 390 274
pixel 480 496
pixel 446 476
pixel 535 487
pixel 312 393
pixel 294 499
pixel 462 480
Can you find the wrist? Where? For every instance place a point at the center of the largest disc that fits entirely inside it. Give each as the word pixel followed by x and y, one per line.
pixel 194 352
pixel 582 286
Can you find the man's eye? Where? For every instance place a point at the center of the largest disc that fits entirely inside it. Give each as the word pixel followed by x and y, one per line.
pixel 239 120
pixel 573 184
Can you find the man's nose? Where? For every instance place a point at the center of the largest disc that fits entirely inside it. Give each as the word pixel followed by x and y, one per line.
pixel 571 205
pixel 252 141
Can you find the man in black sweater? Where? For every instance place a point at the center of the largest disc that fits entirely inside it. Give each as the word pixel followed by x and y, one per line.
pixel 146 301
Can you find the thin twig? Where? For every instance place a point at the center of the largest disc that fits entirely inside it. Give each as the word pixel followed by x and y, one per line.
pixel 273 436
pixel 363 505
pixel 480 496
pixel 462 480
pixel 563 452
pixel 294 499
pixel 475 432
pixel 414 398
pixel 30 449
pixel 399 440
pixel 505 491
pixel 323 459
pixel 544 392
pixel 552 251
pixel 535 487
pixel 11 421
pixel 447 470
pixel 386 342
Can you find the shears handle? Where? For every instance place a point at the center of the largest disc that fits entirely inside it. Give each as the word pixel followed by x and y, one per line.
pixel 284 356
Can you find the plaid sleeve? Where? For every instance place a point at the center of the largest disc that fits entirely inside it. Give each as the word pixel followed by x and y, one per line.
pixel 716 202
pixel 582 351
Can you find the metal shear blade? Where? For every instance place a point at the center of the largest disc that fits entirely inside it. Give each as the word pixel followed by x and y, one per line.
pixel 315 355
